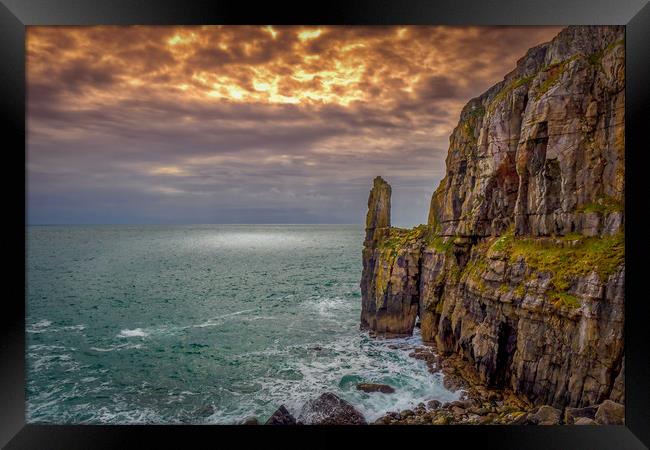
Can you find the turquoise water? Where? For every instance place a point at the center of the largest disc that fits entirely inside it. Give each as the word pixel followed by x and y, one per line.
pixel 148 324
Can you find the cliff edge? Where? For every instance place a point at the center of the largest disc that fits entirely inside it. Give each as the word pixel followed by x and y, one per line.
pixel 520 269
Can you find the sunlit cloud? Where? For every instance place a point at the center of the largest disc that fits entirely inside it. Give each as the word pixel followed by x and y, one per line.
pixel 168 170
pixel 246 123
pixel 309 34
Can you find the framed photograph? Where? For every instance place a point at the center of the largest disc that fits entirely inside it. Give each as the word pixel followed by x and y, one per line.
pixel 396 220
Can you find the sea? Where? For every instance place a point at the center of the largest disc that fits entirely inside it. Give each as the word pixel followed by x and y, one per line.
pixel 204 324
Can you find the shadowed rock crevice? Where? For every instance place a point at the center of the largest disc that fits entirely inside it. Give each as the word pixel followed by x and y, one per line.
pixel 506 346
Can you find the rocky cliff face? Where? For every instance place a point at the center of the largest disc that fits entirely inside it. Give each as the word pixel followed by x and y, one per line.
pixel 520 268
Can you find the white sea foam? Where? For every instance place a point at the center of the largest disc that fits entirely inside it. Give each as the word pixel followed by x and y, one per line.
pixel 116 347
pixel 218 320
pixel 126 414
pixel 174 397
pixel 45 347
pixel 40 326
pixel 137 332
pixel 329 306
pixel 44 325
pixel 38 362
pixel 357 358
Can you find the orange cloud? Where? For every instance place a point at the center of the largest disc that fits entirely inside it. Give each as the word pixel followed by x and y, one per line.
pixel 335 65
pixel 248 109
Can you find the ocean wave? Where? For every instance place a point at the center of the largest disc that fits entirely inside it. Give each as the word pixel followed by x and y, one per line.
pixel 117 347
pixel 46 347
pixel 178 397
pixel 173 329
pixel 137 332
pixel 329 306
pixel 64 361
pixel 45 325
pixel 128 415
pixel 40 326
pixel 214 321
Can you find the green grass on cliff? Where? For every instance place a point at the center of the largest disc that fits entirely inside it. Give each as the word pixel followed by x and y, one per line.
pixel 439 243
pixel 554 71
pixel 604 205
pixel 566 258
pixel 476 112
pixel 596 58
pixel 399 238
pixel 564 299
pixel 467 132
pixel 509 87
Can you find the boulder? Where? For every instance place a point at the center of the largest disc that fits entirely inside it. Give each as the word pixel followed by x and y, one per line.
pixel 572 414
pixel 434 404
pixel 457 411
pixel 441 420
pixel 374 387
pixel 250 421
pixel 519 418
pixel 546 415
pixel 585 421
pixel 328 409
pixel 385 420
pixel 204 411
pixel 610 413
pixel 281 417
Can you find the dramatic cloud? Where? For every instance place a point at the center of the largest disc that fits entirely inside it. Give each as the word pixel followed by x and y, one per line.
pixel 234 124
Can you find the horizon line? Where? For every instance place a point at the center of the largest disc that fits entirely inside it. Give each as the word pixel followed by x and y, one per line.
pixel 190 224
pixel 181 224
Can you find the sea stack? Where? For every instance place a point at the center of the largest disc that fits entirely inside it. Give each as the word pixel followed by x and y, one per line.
pixel 389 280
pixel 378 217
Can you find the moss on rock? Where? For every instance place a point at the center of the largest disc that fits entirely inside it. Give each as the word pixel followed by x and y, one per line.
pixel 565 258
pixel 604 205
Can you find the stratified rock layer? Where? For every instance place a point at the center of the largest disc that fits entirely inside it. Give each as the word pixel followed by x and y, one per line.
pixel 520 269
pixel 543 149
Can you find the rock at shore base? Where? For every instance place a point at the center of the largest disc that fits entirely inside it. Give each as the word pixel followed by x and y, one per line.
pixel 546 415
pixel 205 411
pixel 374 387
pixel 571 415
pixel 281 417
pixel 610 413
pixel 328 409
pixel 585 421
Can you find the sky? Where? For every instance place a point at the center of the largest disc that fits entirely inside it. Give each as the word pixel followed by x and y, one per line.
pixel 239 124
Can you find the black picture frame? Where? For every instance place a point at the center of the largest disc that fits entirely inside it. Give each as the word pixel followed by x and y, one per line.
pixel 15 15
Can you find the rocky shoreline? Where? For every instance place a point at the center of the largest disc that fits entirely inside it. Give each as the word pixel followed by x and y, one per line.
pixel 478 405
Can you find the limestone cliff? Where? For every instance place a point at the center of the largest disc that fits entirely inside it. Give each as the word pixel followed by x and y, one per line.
pixel 520 268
